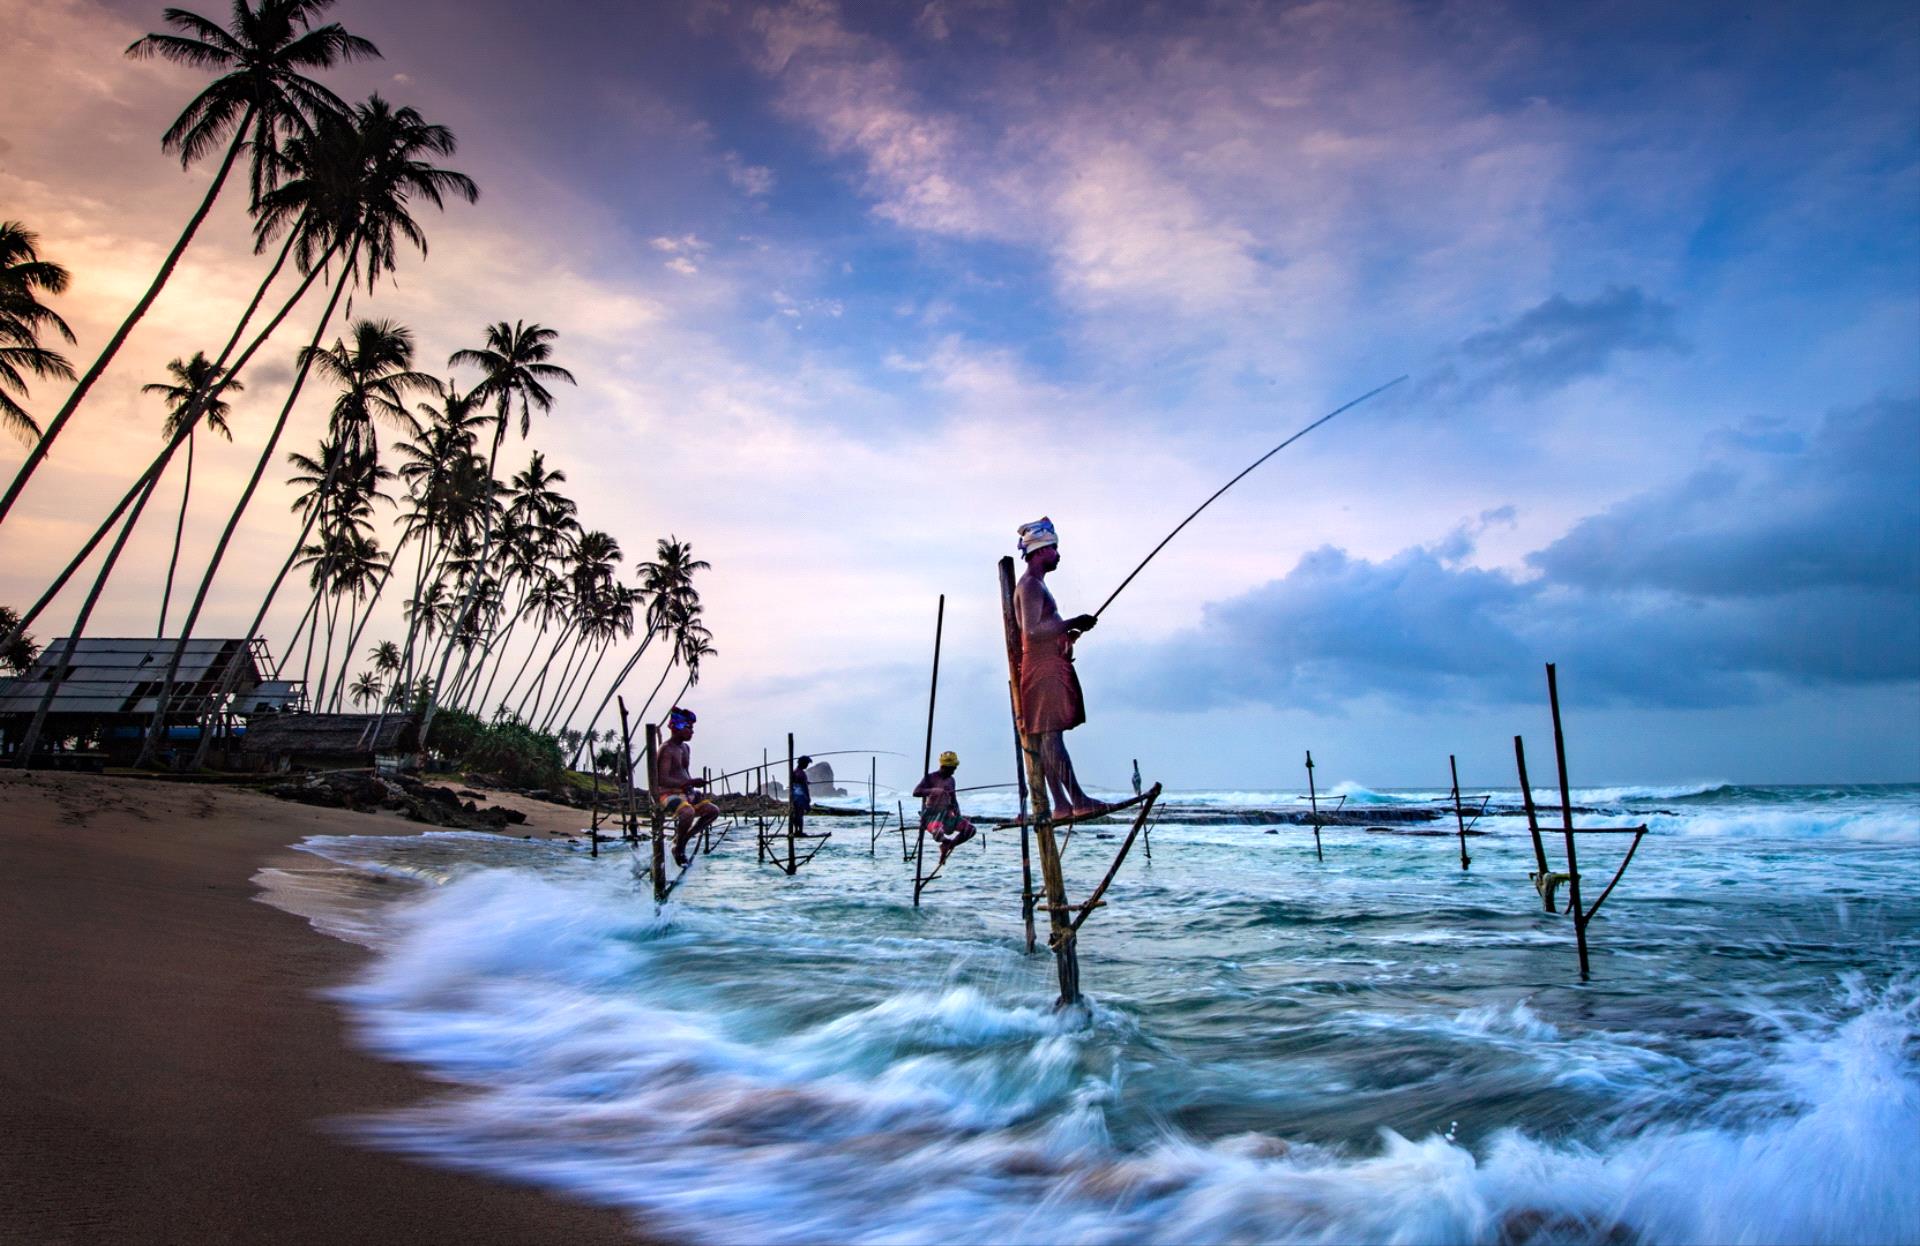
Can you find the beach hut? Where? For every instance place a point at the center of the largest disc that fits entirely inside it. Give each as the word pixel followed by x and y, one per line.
pixel 331 741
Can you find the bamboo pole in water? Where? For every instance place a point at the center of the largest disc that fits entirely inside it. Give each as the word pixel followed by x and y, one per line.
pixel 627 827
pixel 1313 801
pixel 655 818
pixel 793 809
pixel 1566 821
pixel 1459 816
pixel 1542 881
pixel 1020 783
pixel 926 754
pixel 1061 937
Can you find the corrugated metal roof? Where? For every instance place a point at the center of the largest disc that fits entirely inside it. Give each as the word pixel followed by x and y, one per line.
pixel 123 675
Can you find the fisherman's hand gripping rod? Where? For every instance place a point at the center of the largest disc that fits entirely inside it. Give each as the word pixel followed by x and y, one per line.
pixel 1223 488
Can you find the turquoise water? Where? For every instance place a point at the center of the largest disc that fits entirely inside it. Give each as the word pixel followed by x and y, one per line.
pixel 1379 1046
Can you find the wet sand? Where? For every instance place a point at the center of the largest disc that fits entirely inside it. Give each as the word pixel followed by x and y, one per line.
pixel 167 1068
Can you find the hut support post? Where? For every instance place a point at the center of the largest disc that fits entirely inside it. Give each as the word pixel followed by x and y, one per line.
pixel 1566 822
pixel 1459 816
pixel 656 816
pixel 1060 936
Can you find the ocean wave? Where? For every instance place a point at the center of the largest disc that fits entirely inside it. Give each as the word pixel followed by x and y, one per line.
pixel 597 1058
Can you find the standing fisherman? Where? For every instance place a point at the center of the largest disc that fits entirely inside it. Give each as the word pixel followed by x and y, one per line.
pixel 680 795
pixel 799 794
pixel 1050 700
pixel 940 807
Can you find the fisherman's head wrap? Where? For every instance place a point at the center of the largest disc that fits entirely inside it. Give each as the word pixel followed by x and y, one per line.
pixel 680 719
pixel 949 760
pixel 1037 536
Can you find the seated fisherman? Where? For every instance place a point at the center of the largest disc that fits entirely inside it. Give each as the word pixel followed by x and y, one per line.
pixel 800 794
pixel 940 807
pixel 680 793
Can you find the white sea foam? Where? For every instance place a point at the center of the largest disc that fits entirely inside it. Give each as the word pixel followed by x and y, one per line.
pixel 945 1114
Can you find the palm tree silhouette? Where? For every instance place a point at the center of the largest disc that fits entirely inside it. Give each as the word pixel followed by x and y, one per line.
pixel 375 159
pixel 193 380
pixel 261 96
pixel 23 274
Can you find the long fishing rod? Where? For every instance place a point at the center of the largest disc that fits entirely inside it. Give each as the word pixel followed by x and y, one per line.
pixel 1236 480
pixel 863 752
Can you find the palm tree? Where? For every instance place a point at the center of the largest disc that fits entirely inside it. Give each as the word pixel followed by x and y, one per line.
pixel 20 652
pixel 379 152
pixel 366 689
pixel 539 527
pixel 672 604
pixel 193 380
pixel 22 317
pixel 261 96
pixel 513 365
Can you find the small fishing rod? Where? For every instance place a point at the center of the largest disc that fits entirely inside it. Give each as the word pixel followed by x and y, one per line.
pixel 1236 480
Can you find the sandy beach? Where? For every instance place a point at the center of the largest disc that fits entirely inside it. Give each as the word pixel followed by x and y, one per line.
pixel 168 1070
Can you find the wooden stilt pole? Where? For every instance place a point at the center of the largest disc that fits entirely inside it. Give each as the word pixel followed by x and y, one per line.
pixel 627 827
pixel 1313 801
pixel 1541 882
pixel 926 754
pixel 655 816
pixel 873 810
pixel 793 810
pixel 1020 783
pixel 1061 937
pixel 1459 816
pixel 900 808
pixel 1566 821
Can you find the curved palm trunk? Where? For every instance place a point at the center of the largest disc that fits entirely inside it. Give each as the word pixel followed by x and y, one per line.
pixel 353 641
pixel 586 684
pixel 293 640
pixel 157 725
pixel 539 685
pixel 569 671
pixel 80 388
pixel 188 421
pixel 566 689
pixel 326 652
pixel 532 648
pixel 500 661
pixel 473 588
pixel 179 528
pixel 614 687
pixel 79 630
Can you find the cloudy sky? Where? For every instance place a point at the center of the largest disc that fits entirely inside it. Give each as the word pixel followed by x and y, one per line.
pixel 853 289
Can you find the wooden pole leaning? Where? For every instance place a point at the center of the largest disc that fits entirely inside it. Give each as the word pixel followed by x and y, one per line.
pixel 873 810
pixel 1020 783
pixel 1543 879
pixel 656 816
pixel 926 754
pixel 1060 935
pixel 1459 815
pixel 1566 822
pixel 1313 802
pixel 627 825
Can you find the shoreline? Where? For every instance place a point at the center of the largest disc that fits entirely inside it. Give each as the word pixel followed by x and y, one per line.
pixel 169 1068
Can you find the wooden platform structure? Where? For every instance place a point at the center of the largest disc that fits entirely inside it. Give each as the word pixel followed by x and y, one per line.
pixel 1064 918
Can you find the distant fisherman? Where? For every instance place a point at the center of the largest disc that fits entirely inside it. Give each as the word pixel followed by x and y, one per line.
pixel 800 794
pixel 1050 699
pixel 940 807
pixel 680 795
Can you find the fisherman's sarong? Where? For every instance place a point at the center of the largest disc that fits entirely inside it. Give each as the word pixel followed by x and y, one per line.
pixel 947 826
pixel 1050 698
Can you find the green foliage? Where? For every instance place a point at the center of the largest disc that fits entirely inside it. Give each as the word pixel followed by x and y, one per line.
pixel 520 755
pixel 508 748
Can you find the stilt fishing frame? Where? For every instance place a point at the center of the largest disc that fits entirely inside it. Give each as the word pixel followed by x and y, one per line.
pixel 1459 812
pixel 1545 880
pixel 920 879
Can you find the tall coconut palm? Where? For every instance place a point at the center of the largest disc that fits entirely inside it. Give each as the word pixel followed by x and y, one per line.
pixel 366 689
pixel 538 527
pixel 193 380
pixel 23 317
pixel 514 367
pixel 380 154
pixel 261 96
pixel 19 654
pixel 672 600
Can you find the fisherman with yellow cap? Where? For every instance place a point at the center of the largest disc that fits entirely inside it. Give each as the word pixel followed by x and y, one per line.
pixel 940 807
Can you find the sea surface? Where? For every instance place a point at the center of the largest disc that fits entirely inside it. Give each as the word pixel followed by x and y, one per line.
pixel 1377 1046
